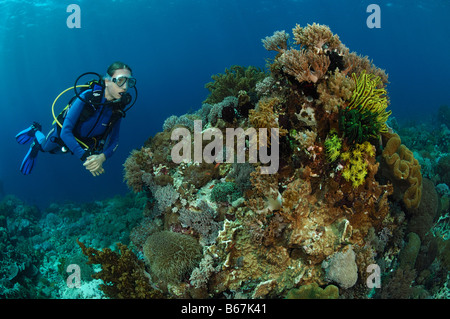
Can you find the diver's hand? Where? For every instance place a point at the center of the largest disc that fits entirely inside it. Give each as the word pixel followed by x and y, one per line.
pixel 94 164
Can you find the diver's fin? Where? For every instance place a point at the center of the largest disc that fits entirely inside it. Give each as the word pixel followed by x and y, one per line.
pixel 28 134
pixel 30 159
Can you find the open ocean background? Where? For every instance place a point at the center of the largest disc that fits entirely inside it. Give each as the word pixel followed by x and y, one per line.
pixel 174 47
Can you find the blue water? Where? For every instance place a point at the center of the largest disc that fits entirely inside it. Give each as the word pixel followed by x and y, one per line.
pixel 174 46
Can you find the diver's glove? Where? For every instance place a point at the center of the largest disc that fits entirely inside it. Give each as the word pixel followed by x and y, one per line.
pixel 94 164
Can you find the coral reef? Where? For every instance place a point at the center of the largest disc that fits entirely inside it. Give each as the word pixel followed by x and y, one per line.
pixel 264 235
pixel 330 197
pixel 347 195
pixel 39 244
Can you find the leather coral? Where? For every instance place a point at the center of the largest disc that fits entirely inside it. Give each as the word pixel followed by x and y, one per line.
pixel 404 168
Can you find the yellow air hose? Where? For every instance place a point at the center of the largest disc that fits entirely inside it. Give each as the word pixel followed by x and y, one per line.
pixel 53 109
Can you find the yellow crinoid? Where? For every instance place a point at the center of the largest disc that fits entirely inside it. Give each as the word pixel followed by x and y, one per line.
pixel 368 97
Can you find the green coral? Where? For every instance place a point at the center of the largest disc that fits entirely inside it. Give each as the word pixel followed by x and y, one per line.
pixel 358 125
pixel 235 79
pixel 333 146
pixel 225 192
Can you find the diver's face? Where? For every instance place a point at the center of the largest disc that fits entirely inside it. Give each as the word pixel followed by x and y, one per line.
pixel 115 86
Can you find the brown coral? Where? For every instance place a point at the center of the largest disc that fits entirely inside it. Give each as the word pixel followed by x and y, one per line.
pixel 404 168
pixel 276 42
pixel 304 65
pixel 355 63
pixel 316 36
pixel 123 274
pixel 265 117
pixel 337 89
pixel 135 167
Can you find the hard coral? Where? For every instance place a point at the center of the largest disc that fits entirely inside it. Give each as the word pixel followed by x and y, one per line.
pixel 171 255
pixel 226 192
pixel 341 268
pixel 404 168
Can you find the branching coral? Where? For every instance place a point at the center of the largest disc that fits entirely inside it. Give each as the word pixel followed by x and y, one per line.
pixel 337 89
pixel 304 65
pixel 316 36
pixel 123 274
pixel 202 221
pixel 276 42
pixel 265 116
pixel 235 79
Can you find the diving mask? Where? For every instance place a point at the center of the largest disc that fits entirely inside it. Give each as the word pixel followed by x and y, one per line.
pixel 122 79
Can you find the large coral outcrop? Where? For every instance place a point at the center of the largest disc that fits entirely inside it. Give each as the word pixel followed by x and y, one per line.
pixel 264 235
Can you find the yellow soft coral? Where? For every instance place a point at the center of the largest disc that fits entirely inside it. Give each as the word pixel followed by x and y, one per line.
pixel 355 170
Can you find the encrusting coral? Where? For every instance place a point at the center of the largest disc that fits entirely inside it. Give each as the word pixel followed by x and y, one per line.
pixel 258 235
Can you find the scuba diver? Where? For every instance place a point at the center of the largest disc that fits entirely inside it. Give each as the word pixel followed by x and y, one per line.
pixel 89 126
